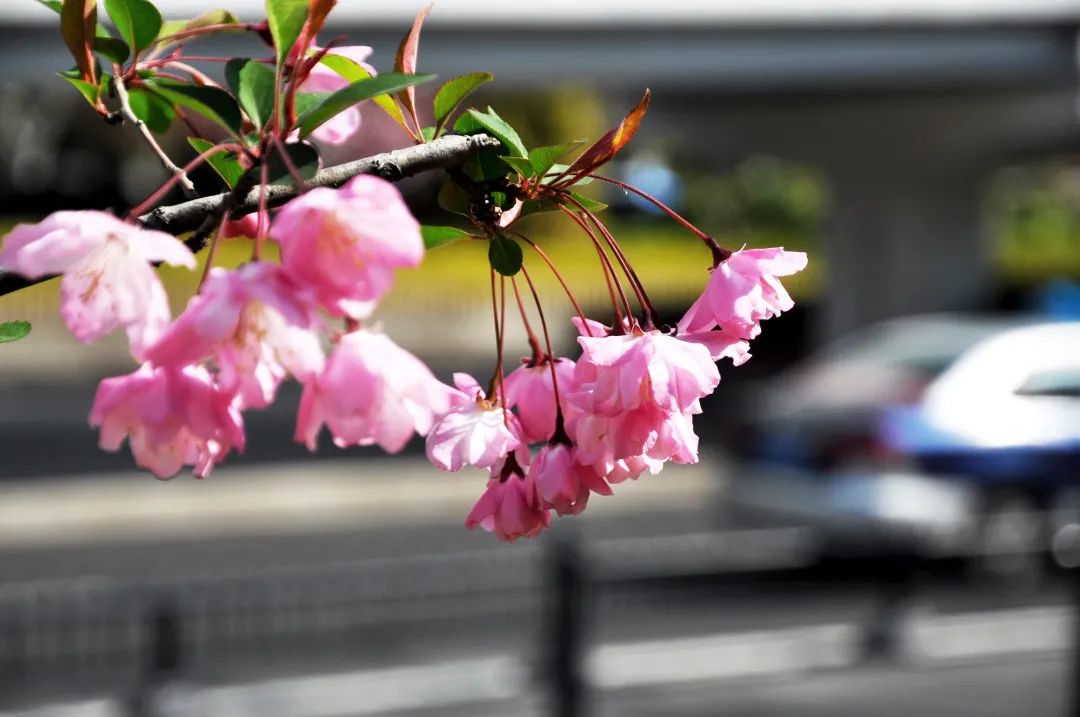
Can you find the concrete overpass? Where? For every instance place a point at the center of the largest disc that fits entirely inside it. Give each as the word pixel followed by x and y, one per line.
pixel 905 105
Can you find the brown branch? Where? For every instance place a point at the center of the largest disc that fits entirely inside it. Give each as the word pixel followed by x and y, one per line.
pixel 129 114
pixel 179 218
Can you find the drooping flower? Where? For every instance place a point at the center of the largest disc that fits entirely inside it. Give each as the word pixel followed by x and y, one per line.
pixel 371 391
pixel 344 244
pixel 172 417
pixel 109 279
pixel 721 345
pixel 474 432
pixel 560 482
pixel 617 374
pixel 743 291
pixel 507 506
pixel 246 226
pixel 255 326
pixel 342 126
pixel 529 390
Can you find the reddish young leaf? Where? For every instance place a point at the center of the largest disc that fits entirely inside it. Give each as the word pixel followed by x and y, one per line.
pixel 606 147
pixel 405 62
pixel 78 22
pixel 317 13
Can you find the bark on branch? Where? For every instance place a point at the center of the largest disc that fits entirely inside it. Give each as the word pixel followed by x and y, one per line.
pixel 179 218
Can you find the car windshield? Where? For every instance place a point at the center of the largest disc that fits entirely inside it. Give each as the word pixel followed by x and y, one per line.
pixel 926 346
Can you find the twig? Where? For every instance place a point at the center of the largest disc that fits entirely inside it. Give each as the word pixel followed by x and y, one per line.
pixel 129 114
pixel 393 166
pixel 179 218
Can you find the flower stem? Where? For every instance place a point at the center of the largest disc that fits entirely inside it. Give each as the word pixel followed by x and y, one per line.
pixel 609 271
pixel 551 265
pixel 559 432
pixel 719 252
pixel 534 343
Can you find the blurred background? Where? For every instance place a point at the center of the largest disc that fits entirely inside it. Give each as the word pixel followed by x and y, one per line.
pixel 887 504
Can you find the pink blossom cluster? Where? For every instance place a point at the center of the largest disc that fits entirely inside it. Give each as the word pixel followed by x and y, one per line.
pixel 550 434
pixel 246 330
pixel 624 408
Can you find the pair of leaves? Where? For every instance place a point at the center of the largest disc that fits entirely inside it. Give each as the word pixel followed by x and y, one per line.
pixel 354 72
pixel 137 21
pixel 212 102
pixel 13 330
pixel 451 94
pixel 475 121
pixel 304 157
pixel 346 97
pixel 540 160
pixel 253 85
pixel 212 17
pixel 286 19
pixel 504 254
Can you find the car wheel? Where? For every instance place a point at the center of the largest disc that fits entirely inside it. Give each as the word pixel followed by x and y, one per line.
pixel 1010 541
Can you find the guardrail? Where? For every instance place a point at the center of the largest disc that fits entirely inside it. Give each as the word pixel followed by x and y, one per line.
pixel 132 637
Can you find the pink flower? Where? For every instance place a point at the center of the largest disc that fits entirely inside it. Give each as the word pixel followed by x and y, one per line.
pixel 529 389
pixel 743 291
pixel 254 326
pixel 109 278
pixel 343 125
pixel 508 507
pixel 371 391
pixel 631 468
pixel 721 345
pixel 343 244
pixel 246 226
pixel 618 373
pixel 474 432
pixel 172 417
pixel 562 483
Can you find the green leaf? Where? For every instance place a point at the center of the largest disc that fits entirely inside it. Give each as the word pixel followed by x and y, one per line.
pixel 137 21
pixel 354 72
pixel 89 91
pixel 475 121
pixel 591 204
pixel 428 133
pixel 453 198
pixel 224 163
pixel 212 102
pixel 112 49
pixel 306 100
pixel 523 166
pixel 346 97
pixel 437 236
pixel 253 84
pixel 151 109
pixel 485 166
pixel 504 255
pixel 13 330
pixel 543 158
pixel 454 91
pixel 57 5
pixel 286 19
pixel 556 169
pixel 213 17
pixel 304 157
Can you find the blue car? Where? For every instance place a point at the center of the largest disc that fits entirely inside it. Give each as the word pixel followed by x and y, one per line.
pixel 948 434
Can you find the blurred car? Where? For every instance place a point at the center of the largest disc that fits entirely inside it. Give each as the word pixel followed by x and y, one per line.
pixel 948 435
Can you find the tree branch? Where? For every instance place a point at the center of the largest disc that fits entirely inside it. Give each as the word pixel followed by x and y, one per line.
pixel 441 153
pixel 129 115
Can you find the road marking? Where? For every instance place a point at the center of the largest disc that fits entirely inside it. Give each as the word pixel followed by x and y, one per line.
pixel 953 638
